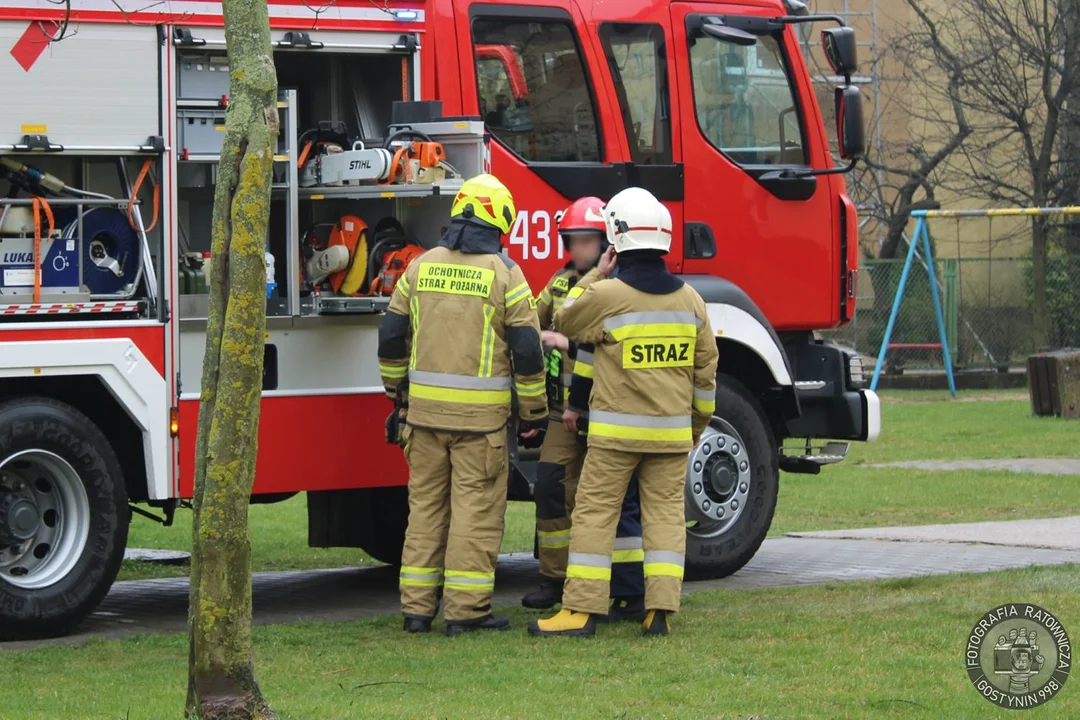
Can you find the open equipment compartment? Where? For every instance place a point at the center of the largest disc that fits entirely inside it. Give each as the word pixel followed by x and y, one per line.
pixel 335 174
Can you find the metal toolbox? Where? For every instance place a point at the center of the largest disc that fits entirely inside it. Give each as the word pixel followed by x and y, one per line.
pixel 202 77
pixel 200 132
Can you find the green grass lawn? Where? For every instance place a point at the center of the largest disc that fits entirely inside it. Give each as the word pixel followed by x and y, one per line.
pixel 889 649
pixel 917 425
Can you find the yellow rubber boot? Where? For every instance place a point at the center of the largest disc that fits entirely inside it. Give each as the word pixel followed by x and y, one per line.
pixel 655 623
pixel 565 622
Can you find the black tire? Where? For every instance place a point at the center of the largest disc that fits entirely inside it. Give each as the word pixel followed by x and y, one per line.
pixel 710 556
pixel 49 429
pixel 386 512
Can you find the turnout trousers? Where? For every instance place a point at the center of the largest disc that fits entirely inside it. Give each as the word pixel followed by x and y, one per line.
pixel 457 502
pixel 593 546
pixel 561 459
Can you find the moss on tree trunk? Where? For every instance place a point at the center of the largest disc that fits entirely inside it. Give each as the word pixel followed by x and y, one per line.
pixel 221 678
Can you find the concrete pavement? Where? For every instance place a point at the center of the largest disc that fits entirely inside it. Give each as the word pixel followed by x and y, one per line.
pixel 347 594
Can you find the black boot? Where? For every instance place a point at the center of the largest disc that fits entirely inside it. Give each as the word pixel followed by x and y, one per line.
pixel 632 609
pixel 545 597
pixel 655 623
pixel 488 622
pixel 417 623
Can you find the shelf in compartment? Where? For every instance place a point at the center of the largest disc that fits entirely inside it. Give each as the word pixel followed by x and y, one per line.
pixel 199 104
pixel 196 306
pixel 375 192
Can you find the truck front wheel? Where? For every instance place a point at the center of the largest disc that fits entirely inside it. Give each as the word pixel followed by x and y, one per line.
pixel 63 518
pixel 732 480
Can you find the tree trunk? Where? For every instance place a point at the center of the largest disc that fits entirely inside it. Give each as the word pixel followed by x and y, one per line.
pixel 221 678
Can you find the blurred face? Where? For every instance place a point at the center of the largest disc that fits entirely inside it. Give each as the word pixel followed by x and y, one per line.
pixel 585 249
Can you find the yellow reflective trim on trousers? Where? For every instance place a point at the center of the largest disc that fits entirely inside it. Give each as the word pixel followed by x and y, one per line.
pixel 467 587
pixel 521 292
pixel 627 556
pixel 420 576
pixel 586 572
pixel 663 570
pixel 487 349
pixel 414 307
pixel 553 538
pixel 707 407
pixel 455 395
pixel 470 574
pixel 623 432
pixel 531 389
pixel 654 330
pixel 583 369
pixel 470 580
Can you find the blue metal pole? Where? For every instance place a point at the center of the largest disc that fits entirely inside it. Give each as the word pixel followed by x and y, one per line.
pixel 937 308
pixel 920 224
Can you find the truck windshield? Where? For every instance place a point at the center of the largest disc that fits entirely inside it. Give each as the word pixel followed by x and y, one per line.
pixel 744 101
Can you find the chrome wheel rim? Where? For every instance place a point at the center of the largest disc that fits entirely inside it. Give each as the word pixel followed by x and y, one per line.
pixel 717 481
pixel 45 514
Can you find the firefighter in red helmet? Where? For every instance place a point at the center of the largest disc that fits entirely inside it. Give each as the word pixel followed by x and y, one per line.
pixel 584 237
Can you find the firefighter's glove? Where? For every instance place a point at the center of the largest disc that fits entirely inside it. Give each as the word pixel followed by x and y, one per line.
pixel 395 422
pixel 537 439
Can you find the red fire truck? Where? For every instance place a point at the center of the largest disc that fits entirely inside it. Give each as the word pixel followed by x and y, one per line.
pixel 109 136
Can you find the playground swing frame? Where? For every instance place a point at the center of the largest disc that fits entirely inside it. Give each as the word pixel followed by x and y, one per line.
pixel 921 235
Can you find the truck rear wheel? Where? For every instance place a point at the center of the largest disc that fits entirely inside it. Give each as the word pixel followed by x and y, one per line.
pixel 387 516
pixel 63 518
pixel 731 485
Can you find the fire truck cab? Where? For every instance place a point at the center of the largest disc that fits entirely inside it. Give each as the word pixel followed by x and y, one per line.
pixel 107 173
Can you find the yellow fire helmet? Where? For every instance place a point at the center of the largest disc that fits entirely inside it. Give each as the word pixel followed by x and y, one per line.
pixel 485 199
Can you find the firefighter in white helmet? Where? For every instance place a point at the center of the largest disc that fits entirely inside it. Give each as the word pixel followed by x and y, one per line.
pixel 584 236
pixel 460 336
pixel 655 382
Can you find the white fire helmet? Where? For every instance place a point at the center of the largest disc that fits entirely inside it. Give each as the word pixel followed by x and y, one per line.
pixel 636 220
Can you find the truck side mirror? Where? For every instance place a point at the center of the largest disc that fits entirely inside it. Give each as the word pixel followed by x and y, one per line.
pixel 841 50
pixel 850 131
pixel 726 33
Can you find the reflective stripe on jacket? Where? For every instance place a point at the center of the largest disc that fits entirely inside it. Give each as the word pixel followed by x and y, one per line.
pixel 462 329
pixel 548 302
pixel 653 363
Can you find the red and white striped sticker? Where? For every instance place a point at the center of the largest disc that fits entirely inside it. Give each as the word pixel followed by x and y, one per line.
pixel 70 308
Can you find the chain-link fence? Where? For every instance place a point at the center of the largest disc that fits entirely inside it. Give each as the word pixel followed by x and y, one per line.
pixel 988 306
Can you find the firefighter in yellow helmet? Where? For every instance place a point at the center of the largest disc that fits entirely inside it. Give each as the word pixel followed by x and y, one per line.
pixel 655 360
pixel 459 340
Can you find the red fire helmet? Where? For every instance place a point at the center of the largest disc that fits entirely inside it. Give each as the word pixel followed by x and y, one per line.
pixel 584 215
